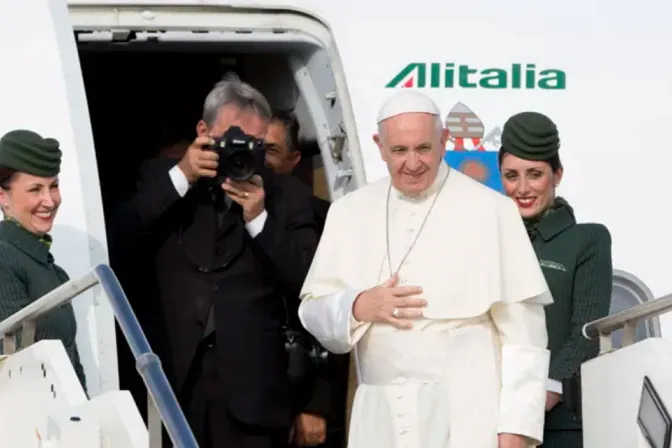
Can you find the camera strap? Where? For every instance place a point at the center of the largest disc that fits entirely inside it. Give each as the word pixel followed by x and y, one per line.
pixel 288 322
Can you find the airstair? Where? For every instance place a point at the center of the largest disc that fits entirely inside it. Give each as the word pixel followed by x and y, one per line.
pixel 627 391
pixel 42 403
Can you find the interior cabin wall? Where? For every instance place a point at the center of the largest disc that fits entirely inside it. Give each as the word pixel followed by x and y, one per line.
pixel 271 74
pixel 138 104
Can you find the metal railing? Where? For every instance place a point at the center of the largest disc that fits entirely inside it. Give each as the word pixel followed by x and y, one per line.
pixel 627 320
pixel 161 396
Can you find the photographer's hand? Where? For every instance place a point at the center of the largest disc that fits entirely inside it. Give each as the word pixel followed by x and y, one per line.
pixel 198 162
pixel 250 195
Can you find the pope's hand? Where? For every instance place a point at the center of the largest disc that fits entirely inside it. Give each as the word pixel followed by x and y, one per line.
pixel 389 303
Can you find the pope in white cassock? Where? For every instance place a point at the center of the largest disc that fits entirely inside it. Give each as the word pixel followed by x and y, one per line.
pixel 430 277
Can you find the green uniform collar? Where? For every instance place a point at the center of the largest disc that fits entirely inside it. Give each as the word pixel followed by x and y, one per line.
pixel 33 245
pixel 552 222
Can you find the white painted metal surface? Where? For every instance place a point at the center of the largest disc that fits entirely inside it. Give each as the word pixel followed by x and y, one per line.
pixel 616 165
pixel 41 401
pixel 612 386
pixel 44 91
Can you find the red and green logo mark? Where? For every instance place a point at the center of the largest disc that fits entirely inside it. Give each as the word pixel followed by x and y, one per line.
pixel 448 75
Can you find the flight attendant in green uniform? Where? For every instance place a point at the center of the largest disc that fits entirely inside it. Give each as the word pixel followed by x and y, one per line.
pixel 575 259
pixel 29 199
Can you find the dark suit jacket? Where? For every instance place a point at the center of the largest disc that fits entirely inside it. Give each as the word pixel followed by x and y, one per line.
pixel 576 261
pixel 326 393
pixel 196 264
pixel 321 209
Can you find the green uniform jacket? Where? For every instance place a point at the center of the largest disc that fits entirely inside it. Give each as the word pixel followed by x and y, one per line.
pixel 27 272
pixel 576 261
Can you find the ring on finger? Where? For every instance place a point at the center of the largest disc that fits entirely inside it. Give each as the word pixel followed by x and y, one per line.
pixel 395 312
pixel 246 194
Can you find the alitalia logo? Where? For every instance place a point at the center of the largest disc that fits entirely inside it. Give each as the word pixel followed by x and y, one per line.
pixel 449 75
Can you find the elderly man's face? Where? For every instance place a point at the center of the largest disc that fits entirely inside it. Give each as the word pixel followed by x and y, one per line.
pixel 248 121
pixel 412 145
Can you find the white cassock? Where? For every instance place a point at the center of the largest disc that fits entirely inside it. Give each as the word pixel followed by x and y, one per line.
pixel 476 364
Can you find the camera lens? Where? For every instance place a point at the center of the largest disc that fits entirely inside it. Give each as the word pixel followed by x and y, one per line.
pixel 239 166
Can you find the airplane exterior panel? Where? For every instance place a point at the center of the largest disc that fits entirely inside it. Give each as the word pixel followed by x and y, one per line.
pixel 599 73
pixel 41 89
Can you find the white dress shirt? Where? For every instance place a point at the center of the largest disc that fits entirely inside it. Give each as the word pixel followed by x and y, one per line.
pixel 182 186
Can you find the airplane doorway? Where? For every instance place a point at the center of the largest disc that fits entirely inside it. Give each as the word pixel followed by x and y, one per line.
pixel 145 90
pixel 629 291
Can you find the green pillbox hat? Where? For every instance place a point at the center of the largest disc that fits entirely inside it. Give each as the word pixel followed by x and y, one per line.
pixel 27 152
pixel 530 136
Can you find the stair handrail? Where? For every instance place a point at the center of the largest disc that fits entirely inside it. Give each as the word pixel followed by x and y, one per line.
pixel 627 320
pixel 147 362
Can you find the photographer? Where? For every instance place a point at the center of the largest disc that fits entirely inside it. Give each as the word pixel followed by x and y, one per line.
pixel 225 249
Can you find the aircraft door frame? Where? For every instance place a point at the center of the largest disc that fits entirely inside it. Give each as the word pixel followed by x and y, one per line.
pixel 42 89
pixel 630 286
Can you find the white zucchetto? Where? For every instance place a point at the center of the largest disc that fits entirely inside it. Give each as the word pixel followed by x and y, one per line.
pixel 406 101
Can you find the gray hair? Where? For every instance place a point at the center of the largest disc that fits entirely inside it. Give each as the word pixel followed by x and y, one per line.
pixel 231 91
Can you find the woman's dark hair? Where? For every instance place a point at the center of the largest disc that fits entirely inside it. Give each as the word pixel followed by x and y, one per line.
pixel 554 161
pixel 6 176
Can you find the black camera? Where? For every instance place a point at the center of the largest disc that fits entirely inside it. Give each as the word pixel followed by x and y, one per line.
pixel 240 155
pixel 304 355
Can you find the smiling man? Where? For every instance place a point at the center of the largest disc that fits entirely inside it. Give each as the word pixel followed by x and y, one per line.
pixel 430 277
pixel 282 142
pixel 283 154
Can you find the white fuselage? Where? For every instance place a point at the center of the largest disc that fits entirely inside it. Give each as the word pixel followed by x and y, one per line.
pixel 595 71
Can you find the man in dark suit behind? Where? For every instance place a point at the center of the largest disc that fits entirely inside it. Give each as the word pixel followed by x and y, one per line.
pixel 283 154
pixel 223 255
pixel 321 403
